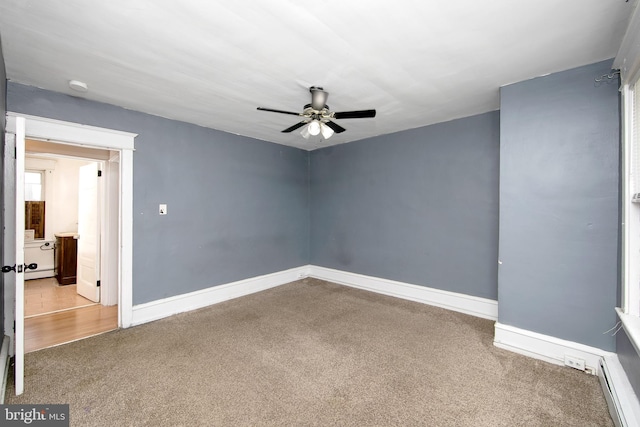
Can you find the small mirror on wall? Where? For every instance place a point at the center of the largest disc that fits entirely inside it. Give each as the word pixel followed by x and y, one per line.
pixel 34 205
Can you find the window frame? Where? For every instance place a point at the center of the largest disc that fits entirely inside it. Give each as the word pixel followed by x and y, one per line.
pixel 43 176
pixel 629 312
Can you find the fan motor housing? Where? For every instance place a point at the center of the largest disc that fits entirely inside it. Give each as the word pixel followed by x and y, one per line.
pixel 318 98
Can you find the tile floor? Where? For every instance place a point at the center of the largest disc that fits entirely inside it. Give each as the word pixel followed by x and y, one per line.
pixel 46 296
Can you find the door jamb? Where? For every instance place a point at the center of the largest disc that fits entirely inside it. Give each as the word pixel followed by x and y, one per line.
pixel 88 136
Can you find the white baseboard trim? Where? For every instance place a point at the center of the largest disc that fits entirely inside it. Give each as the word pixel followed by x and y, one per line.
pixel 545 347
pixel 475 306
pixel 4 367
pixel 622 401
pixel 166 307
pixel 31 275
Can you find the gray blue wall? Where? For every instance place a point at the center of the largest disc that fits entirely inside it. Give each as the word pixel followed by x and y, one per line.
pixel 535 185
pixel 418 206
pixel 237 207
pixel 559 158
pixel 3 110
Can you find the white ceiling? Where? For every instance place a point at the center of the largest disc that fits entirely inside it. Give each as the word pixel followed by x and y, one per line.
pixel 211 63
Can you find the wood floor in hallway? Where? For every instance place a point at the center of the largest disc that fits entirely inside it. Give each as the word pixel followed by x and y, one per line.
pixel 61 327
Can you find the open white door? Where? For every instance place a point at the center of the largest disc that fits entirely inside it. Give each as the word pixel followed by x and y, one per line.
pixel 19 258
pixel 88 271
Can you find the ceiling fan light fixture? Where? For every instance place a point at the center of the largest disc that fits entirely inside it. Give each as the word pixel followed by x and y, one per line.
pixel 314 127
pixel 317 116
pixel 305 132
pixel 327 132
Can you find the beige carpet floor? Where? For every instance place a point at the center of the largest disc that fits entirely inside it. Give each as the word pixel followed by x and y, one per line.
pixel 309 353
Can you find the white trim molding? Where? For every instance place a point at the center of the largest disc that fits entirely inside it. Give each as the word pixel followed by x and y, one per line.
pixel 125 255
pixel 155 310
pixel 58 131
pixel 547 348
pixel 630 213
pixel 631 325
pixel 621 399
pixel 468 304
pixel 75 134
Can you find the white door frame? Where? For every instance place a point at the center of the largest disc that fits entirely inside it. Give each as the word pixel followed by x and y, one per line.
pixel 18 253
pixel 109 241
pixel 57 131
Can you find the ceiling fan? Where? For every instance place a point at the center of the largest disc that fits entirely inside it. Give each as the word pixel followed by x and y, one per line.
pixel 318 117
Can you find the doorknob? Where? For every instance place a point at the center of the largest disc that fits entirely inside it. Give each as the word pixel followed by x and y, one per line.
pixel 8 268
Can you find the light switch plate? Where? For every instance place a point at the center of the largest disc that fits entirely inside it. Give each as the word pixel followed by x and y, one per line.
pixel 163 209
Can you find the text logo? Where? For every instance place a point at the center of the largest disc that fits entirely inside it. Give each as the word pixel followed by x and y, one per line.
pixel 35 415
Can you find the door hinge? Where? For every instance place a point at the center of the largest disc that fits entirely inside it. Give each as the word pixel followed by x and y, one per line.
pixel 98 283
pixel 15 152
pixel 14 326
pixel 99 173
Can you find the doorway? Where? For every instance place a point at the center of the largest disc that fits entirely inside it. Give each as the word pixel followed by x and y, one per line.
pixel 62 295
pixel 119 246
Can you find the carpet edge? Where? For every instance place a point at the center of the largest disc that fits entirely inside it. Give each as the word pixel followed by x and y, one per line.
pixel 468 304
pixel 159 309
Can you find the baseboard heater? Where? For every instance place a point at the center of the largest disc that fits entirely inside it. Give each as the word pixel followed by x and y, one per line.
pixel 40 273
pixel 4 367
pixel 622 401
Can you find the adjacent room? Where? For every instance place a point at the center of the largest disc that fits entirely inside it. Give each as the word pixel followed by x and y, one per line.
pixel 335 213
pixel 60 303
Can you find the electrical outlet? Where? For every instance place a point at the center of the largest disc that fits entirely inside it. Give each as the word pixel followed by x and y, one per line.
pixel 574 362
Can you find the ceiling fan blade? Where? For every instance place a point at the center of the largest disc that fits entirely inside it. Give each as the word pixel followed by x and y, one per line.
pixel 336 127
pixel 279 111
pixel 294 127
pixel 355 114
